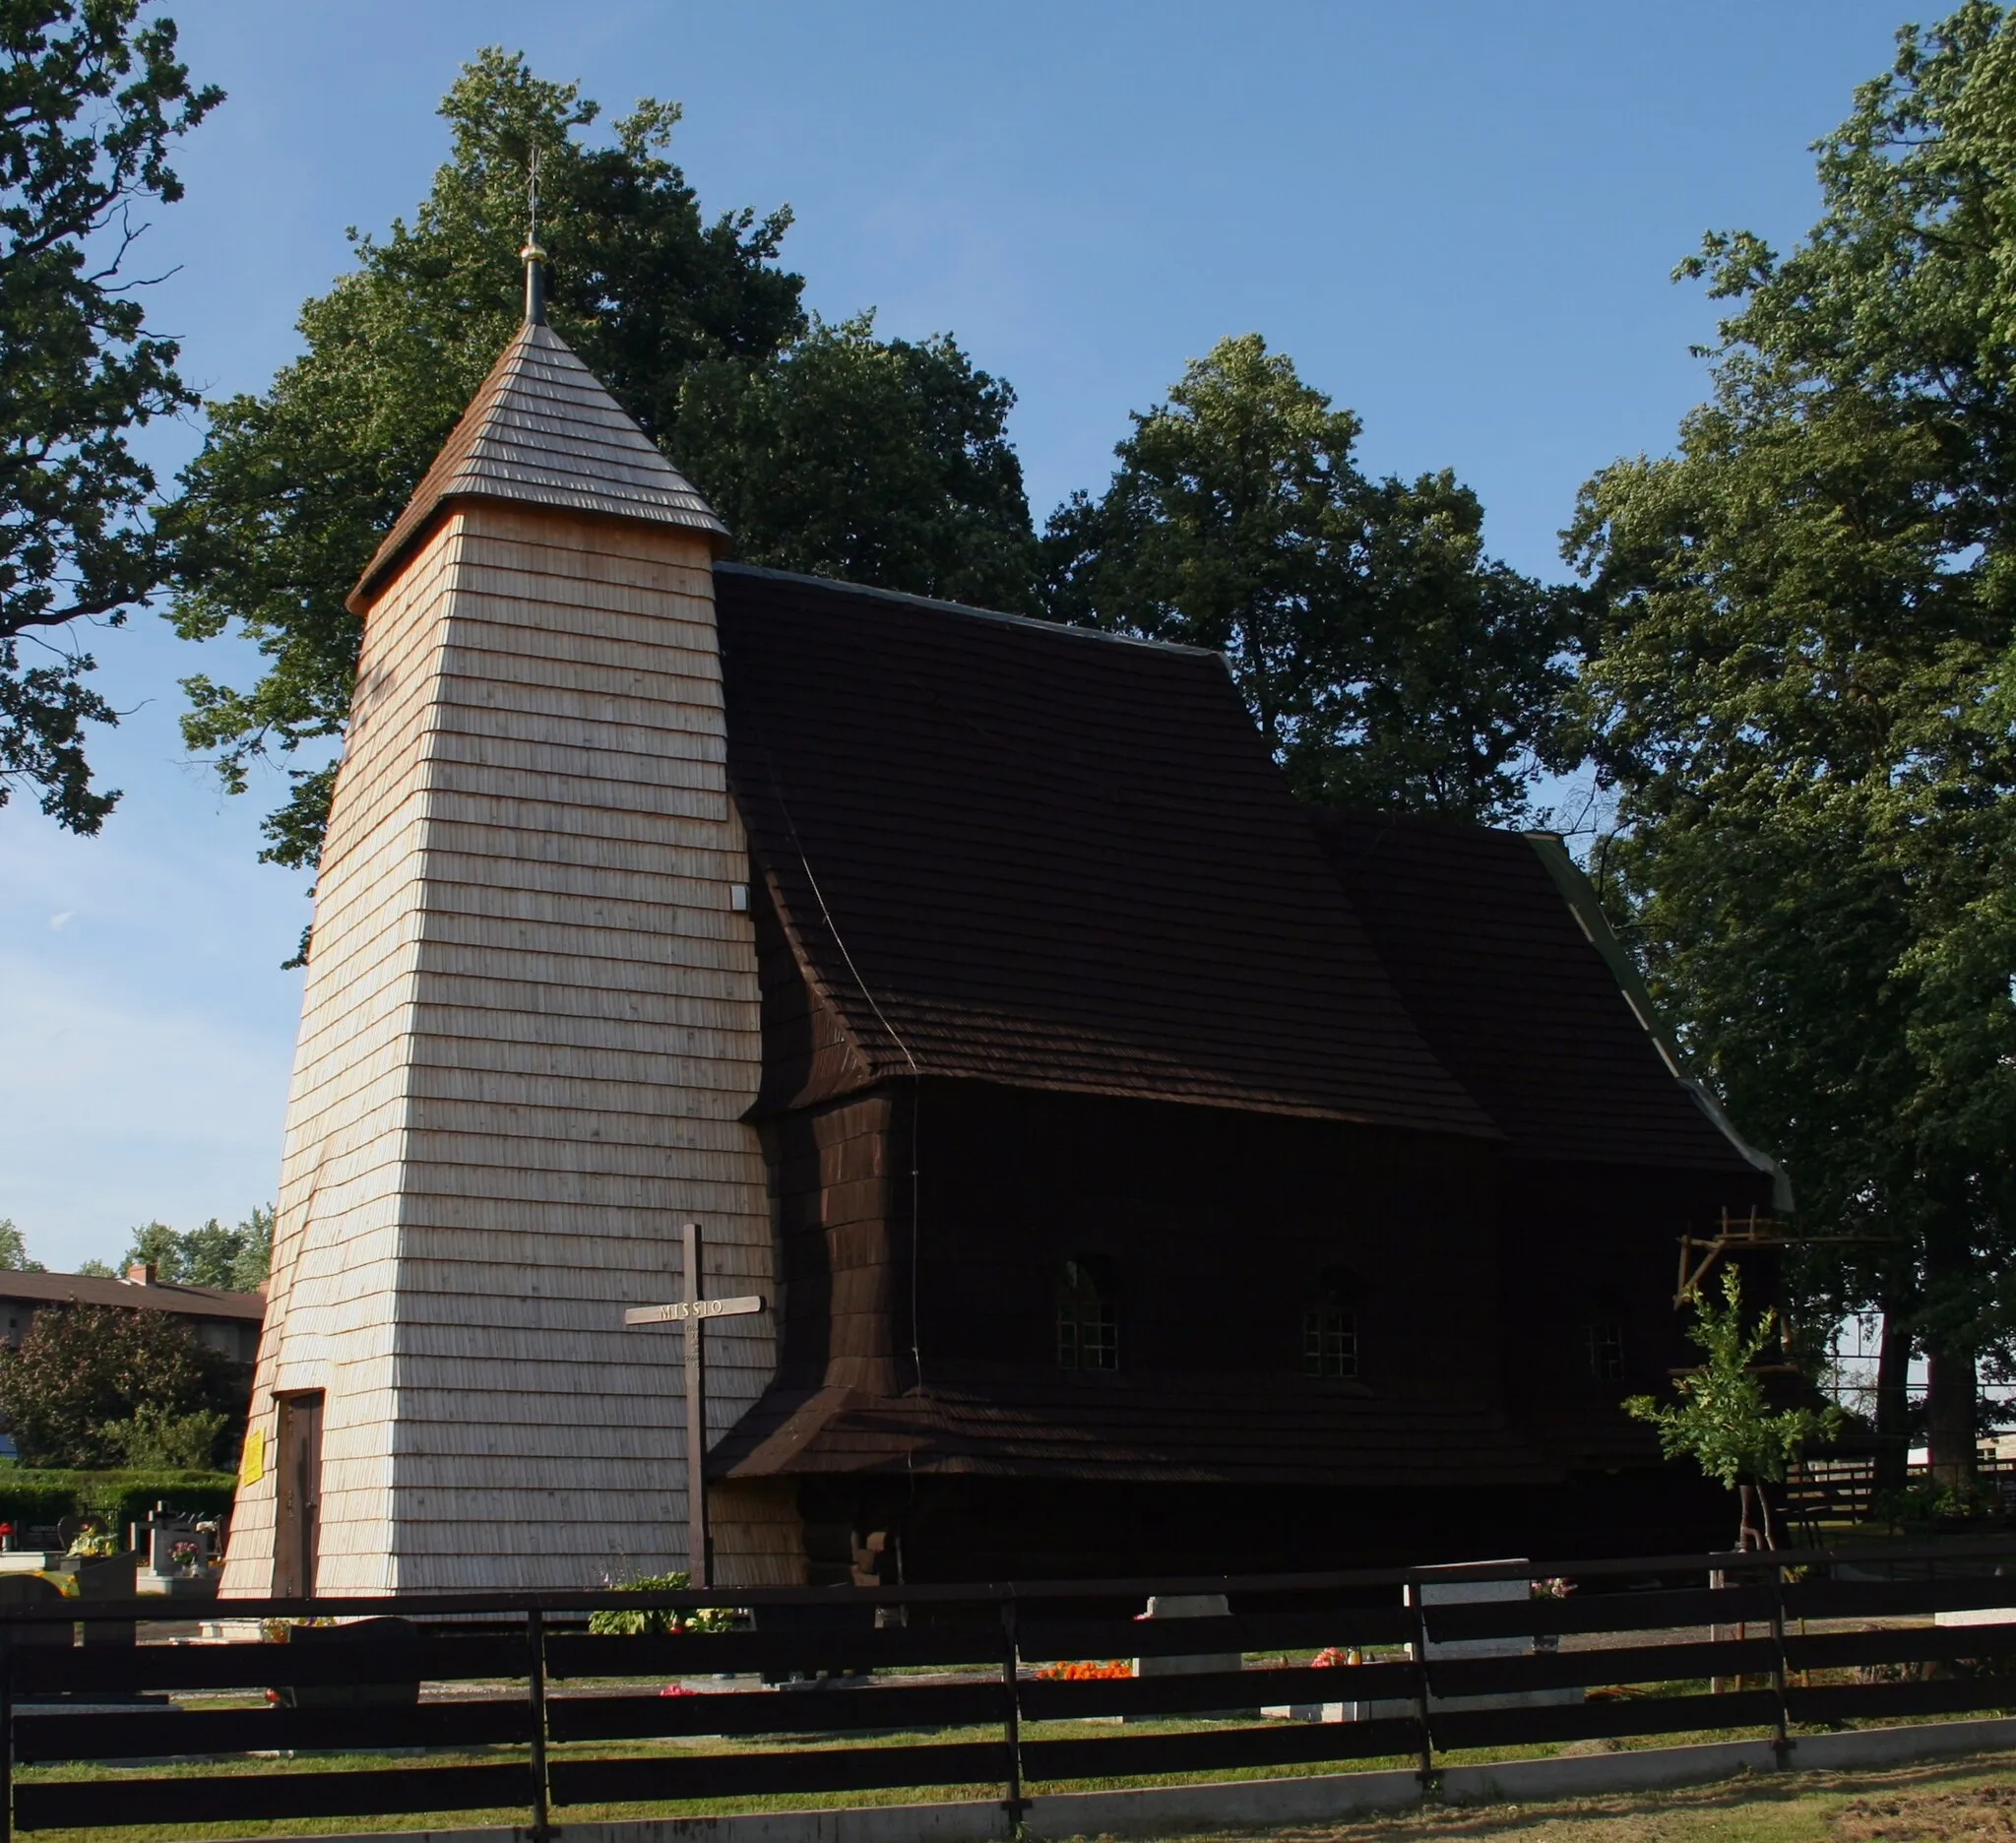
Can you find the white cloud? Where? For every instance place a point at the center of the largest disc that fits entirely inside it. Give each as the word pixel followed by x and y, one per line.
pixel 61 921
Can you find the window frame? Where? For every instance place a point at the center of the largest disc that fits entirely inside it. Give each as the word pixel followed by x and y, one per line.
pixel 1321 1325
pixel 1604 1349
pixel 1086 1318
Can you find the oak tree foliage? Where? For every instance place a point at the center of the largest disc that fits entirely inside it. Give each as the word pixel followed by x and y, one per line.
pixel 1802 692
pixel 1387 660
pixel 92 100
pixel 825 448
pixel 880 461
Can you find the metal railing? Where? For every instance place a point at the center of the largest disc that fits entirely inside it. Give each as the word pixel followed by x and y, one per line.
pixel 555 1718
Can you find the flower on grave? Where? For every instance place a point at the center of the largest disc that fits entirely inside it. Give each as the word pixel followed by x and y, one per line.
pixel 1555 1587
pixel 183 1555
pixel 1330 1657
pixel 1111 1669
pixel 677 1689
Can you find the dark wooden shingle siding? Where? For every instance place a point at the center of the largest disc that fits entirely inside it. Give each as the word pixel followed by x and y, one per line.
pixel 1028 854
pixel 1512 996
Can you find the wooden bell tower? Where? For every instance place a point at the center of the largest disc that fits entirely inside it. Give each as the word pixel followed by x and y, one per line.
pixel 530 1030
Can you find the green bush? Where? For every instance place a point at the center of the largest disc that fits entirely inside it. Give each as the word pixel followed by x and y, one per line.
pixel 110 1499
pixel 152 1439
pixel 610 1623
pixel 1926 1501
pixel 69 1392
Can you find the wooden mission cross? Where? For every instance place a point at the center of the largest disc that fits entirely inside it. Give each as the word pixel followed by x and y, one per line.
pixel 692 1313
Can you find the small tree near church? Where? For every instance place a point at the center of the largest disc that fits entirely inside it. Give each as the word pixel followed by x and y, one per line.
pixel 1721 1420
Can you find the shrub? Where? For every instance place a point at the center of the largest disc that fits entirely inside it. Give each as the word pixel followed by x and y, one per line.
pixel 610 1622
pixel 152 1439
pixel 82 1372
pixel 1927 1499
pixel 109 1500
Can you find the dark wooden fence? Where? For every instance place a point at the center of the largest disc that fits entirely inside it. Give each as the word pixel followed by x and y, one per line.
pixel 1841 1488
pixel 551 1732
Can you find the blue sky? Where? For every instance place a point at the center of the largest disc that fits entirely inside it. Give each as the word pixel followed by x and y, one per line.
pixel 1459 219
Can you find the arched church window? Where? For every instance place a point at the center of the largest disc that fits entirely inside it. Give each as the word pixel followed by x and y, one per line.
pixel 1330 1326
pixel 1088 1325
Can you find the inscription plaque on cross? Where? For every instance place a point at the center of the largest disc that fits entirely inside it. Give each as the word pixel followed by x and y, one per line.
pixel 691 1315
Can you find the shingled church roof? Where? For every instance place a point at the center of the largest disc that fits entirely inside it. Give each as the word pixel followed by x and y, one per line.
pixel 1514 995
pixel 1010 851
pixel 543 431
pixel 1150 1427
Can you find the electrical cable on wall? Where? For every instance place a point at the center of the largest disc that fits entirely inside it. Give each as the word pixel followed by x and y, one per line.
pixel 895 1036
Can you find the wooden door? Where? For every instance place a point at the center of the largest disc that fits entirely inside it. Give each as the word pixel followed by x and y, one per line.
pixel 298 1531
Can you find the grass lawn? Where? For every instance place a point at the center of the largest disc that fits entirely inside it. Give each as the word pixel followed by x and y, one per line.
pixel 1969 1800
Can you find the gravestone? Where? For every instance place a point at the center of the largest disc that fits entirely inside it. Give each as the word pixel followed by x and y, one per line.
pixel 1427 1591
pixel 1193 1662
pixel 1188 1606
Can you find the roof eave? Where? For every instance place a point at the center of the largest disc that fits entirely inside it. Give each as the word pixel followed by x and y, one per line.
pixel 391 558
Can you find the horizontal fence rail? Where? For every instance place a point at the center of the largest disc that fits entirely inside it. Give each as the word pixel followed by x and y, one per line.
pixel 494 1704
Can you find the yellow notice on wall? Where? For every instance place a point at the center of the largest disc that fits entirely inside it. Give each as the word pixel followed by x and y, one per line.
pixel 252 1468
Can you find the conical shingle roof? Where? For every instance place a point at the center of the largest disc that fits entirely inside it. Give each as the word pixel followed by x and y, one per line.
pixel 543 431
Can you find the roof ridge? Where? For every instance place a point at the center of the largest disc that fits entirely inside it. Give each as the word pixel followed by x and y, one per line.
pixel 944 607
pixel 543 429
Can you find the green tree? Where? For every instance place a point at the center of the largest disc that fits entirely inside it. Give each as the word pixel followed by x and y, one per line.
pixel 14 1250
pixel 90 101
pixel 1722 1420
pixel 827 449
pixel 212 1256
pixel 71 1389
pixel 1388 662
pixel 1802 692
pixel 154 1245
pixel 883 462
pixel 252 1256
pixel 153 1440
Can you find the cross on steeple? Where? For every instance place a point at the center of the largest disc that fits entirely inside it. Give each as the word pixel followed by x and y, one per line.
pixel 691 1315
pixel 534 257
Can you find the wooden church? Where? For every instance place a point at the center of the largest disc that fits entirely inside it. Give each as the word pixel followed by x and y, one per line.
pixel 1138 1172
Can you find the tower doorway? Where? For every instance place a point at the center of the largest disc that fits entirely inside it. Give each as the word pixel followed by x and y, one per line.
pixel 296 1537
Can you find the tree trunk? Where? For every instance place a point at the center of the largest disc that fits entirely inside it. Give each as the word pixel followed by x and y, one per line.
pixel 1893 1402
pixel 1950 1415
pixel 1747 1537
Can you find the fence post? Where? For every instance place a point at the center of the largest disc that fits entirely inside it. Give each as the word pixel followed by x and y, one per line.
pixel 1426 1768
pixel 1011 1680
pixel 535 1645
pixel 1781 1739
pixel 6 1733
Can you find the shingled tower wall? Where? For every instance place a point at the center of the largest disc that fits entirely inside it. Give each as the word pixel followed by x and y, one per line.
pixel 530 1030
